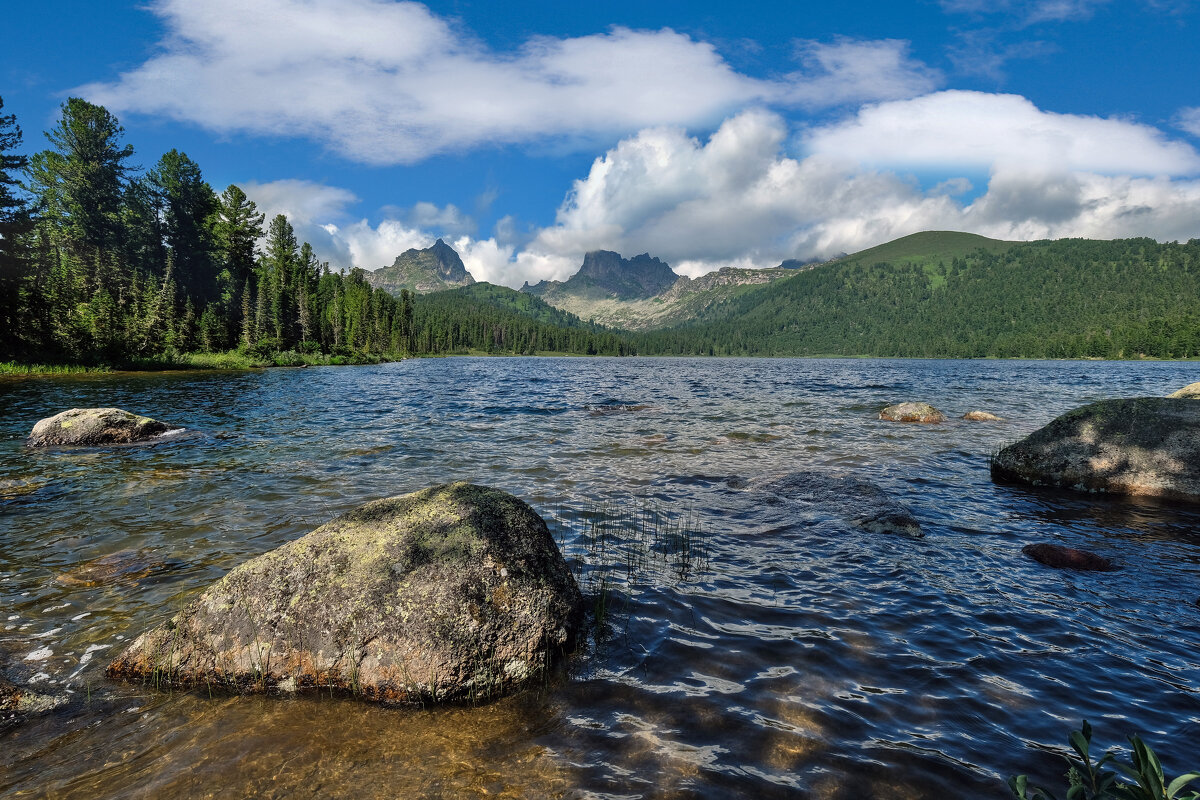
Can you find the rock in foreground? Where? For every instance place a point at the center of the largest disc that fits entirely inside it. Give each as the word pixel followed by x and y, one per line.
pixel 1059 557
pixel 859 502
pixel 1142 446
pixel 453 593
pixel 912 412
pixel 95 427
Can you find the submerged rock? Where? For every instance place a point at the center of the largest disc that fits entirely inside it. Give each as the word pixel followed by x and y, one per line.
pixel 93 427
pixel 981 416
pixel 912 412
pixel 1059 557
pixel 19 701
pixel 859 502
pixel 1141 446
pixel 123 566
pixel 453 593
pixel 1189 392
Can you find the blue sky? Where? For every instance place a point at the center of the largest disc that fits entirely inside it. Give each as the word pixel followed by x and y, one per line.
pixel 709 134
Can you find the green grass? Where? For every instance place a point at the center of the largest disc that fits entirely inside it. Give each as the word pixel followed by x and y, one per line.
pixel 926 247
pixel 15 368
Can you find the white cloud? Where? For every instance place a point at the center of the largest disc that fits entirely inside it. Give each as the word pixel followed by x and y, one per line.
pixel 1188 120
pixel 1029 12
pixel 977 129
pixel 738 198
pixel 388 82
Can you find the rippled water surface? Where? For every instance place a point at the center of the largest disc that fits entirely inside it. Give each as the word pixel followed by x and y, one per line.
pixel 782 653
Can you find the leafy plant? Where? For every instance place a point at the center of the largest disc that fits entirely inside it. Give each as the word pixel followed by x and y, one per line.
pixel 1143 779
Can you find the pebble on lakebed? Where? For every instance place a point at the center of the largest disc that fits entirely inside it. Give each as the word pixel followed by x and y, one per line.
pixel 96 427
pixel 456 593
pixel 1059 557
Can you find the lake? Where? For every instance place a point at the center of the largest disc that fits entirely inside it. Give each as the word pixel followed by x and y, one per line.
pixel 775 653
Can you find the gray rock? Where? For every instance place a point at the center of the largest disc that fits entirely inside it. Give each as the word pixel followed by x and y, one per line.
pixel 1189 392
pixel 859 502
pixel 17 701
pixel 981 416
pixel 453 593
pixel 95 427
pixel 912 412
pixel 1140 446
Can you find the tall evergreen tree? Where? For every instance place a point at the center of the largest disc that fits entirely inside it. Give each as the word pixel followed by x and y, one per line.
pixel 189 205
pixel 13 224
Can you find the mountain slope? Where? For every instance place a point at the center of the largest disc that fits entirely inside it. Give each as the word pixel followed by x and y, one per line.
pixel 1067 298
pixel 430 270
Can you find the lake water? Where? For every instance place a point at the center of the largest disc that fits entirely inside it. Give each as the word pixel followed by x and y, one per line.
pixel 783 654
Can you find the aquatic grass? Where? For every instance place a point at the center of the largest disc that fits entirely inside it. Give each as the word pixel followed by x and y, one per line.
pixel 1143 779
pixel 617 550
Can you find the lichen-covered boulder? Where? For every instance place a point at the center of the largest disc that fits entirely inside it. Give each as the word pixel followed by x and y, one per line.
pixel 859 502
pixel 912 412
pixel 981 416
pixel 1189 392
pixel 456 593
pixel 1059 557
pixel 17 701
pixel 1140 446
pixel 95 427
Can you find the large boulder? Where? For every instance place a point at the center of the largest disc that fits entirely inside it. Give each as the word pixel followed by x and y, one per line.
pixel 1139 446
pixel 453 593
pixel 912 412
pixel 1189 392
pixel 95 427
pixel 859 502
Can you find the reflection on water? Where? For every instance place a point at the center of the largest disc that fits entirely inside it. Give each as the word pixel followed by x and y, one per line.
pixel 786 654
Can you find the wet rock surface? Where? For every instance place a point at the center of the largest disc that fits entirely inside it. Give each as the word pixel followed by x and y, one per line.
pixel 1141 446
pixel 1059 557
pixel 17 702
pixel 981 416
pixel 121 567
pixel 859 502
pixel 96 427
pixel 912 412
pixel 456 593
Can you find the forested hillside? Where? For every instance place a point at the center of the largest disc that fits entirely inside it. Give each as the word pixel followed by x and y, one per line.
pixel 1071 298
pixel 103 264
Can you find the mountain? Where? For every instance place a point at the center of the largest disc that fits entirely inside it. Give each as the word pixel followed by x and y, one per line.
pixel 945 294
pixel 642 293
pixel 429 270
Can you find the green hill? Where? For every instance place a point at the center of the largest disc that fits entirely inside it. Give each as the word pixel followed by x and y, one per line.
pixel 1071 298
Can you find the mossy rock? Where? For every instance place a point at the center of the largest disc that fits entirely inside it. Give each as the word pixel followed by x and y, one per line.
pixel 456 593
pixel 96 427
pixel 1138 446
pixel 912 412
pixel 17 701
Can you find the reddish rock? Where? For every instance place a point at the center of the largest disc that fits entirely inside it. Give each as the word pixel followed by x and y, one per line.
pixel 1059 557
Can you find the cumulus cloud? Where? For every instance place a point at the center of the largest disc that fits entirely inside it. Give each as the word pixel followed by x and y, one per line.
pixel 738 198
pixel 387 82
pixel 978 129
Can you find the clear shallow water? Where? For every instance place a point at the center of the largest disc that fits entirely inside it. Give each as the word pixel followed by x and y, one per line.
pixel 800 657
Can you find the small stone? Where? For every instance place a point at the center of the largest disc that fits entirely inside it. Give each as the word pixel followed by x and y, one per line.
pixel 981 416
pixel 123 566
pixel 912 412
pixel 1059 557
pixel 859 502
